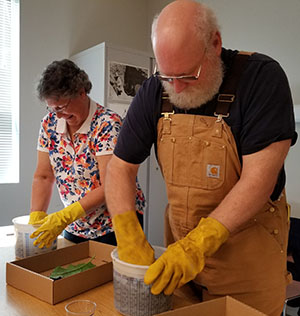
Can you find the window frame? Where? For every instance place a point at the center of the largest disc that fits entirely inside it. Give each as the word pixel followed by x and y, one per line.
pixel 9 91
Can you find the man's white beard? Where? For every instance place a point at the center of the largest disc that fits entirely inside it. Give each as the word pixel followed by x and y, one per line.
pixel 194 96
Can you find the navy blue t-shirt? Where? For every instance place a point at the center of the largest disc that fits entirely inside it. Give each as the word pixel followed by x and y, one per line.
pixel 261 114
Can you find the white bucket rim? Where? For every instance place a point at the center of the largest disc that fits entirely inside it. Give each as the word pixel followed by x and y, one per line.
pixel 16 222
pixel 130 265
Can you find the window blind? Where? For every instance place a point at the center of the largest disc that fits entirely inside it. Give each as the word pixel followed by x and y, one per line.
pixel 9 91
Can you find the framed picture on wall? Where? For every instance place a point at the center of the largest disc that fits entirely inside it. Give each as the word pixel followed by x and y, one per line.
pixel 124 81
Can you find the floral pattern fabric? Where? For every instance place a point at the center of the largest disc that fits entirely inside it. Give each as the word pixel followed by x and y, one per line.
pixel 75 165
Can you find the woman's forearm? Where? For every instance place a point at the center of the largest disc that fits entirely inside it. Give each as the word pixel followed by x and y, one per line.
pixel 41 193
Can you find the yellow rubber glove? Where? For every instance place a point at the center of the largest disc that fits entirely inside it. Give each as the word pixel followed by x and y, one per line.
pixel 53 224
pixel 184 259
pixel 133 246
pixel 36 217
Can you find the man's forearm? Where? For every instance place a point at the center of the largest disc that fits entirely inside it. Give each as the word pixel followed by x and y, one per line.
pixel 252 191
pixel 240 205
pixel 120 186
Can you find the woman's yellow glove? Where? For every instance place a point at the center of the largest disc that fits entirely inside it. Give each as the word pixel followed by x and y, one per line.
pixel 184 259
pixel 53 224
pixel 133 246
pixel 36 217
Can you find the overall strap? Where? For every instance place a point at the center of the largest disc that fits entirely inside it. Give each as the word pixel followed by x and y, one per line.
pixel 228 88
pixel 166 110
pixel 167 106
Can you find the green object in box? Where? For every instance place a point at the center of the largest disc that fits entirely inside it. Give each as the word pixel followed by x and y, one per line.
pixel 60 272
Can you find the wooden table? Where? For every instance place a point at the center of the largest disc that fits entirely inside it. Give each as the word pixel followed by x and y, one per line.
pixel 14 302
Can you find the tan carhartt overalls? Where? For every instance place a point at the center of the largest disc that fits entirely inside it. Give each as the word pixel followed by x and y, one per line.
pixel 200 164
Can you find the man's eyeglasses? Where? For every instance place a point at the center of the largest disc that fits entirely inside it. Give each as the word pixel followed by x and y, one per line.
pixel 59 108
pixel 170 79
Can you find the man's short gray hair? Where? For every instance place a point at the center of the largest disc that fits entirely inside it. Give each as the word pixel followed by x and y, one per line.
pixel 205 24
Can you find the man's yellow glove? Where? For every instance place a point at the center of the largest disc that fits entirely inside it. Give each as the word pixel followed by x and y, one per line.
pixel 133 246
pixel 53 224
pixel 184 259
pixel 36 217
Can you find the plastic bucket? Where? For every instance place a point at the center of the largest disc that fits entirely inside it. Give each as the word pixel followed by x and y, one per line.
pixel 24 244
pixel 132 297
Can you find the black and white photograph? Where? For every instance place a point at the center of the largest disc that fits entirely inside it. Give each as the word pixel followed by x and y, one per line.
pixel 124 81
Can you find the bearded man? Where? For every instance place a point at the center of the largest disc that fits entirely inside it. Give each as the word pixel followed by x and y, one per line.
pixel 222 123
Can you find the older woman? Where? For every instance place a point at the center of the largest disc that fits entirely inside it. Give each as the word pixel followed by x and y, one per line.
pixel 76 140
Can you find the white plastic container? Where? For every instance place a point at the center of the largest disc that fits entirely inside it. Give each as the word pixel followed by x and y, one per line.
pixel 24 244
pixel 132 297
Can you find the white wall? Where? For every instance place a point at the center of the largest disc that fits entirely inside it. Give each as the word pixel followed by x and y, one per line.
pixel 270 27
pixel 55 30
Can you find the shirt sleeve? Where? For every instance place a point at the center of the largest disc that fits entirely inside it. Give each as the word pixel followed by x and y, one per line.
pixel 106 133
pixel 42 144
pixel 138 132
pixel 267 108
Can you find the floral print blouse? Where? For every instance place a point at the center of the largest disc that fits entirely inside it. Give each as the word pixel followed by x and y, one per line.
pixel 75 165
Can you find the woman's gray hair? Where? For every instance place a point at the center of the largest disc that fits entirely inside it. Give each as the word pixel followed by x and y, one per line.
pixel 62 79
pixel 205 24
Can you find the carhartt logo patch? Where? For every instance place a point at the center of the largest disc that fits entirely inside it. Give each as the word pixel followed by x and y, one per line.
pixel 213 171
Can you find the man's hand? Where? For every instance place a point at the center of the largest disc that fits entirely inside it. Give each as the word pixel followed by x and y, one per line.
pixel 53 224
pixel 133 246
pixel 36 217
pixel 184 259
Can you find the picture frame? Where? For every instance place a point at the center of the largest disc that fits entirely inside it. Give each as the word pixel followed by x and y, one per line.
pixel 124 80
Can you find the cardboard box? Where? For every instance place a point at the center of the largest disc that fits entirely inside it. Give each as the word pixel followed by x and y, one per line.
pixel 31 274
pixel 224 306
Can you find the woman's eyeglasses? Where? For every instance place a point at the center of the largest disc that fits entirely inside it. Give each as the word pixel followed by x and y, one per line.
pixel 59 108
